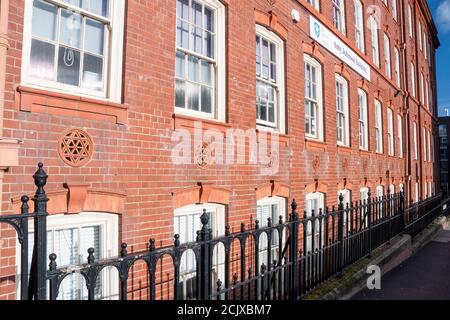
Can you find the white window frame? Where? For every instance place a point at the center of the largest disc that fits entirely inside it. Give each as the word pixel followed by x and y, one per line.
pixel 397 67
pixel 387 56
pixel 416 153
pixel 425 144
pixel 345 112
pixel 281 203
pixel 419 33
pixel 347 194
pixel 218 107
pixel 359 25
pixel 380 191
pixel 416 193
pixel 363 123
pixel 427 96
pixel 280 109
pixel 400 135
pixel 112 68
pixel 374 41
pixel 413 80
pixel 394 10
pixel 218 230
pixel 429 145
pixel 410 21
pixel 109 225
pixel 320 197
pixel 315 4
pixel 379 126
pixel 319 102
pixel 425 187
pixel 392 189
pixel 364 196
pixel 390 131
pixel 425 44
pixel 341 9
pixel 422 88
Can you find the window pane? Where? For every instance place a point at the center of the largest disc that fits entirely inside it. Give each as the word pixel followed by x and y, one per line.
pixel 180 64
pixel 78 3
pixel 193 96
pixel 196 44
pixel 206 99
pixel 183 34
pixel 193 67
pixel 196 39
pixel 209 45
pixel 68 66
pixel 265 59
pixel 99 7
pixel 207 70
pixel 42 60
pixel 44 20
pixel 70 29
pixel 183 9
pixel 180 94
pixel 271 112
pixel 94 36
pixel 93 72
pixel 209 20
pixel 258 56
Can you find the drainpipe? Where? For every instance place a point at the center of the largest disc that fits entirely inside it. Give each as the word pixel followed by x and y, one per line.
pixel 405 86
pixel 9 148
pixel 420 141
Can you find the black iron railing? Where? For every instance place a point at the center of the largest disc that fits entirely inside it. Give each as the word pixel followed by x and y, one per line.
pixel 282 260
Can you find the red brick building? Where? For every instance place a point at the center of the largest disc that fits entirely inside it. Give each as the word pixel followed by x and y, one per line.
pixel 96 90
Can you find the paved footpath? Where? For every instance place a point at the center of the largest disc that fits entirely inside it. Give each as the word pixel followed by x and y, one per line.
pixel 426 275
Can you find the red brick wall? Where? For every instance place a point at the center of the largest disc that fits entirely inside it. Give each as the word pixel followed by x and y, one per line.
pixel 135 157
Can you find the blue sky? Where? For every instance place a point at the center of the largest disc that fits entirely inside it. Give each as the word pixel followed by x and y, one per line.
pixel 441 14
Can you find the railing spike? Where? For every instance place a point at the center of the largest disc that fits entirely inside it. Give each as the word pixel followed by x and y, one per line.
pixel 91 258
pixel 123 252
pixel 52 264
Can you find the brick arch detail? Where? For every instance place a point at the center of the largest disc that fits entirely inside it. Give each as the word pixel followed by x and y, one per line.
pixel 345 185
pixel 200 194
pixel 316 187
pixel 272 189
pixel 314 51
pixel 362 83
pixel 270 21
pixel 78 198
pixel 366 184
pixel 342 69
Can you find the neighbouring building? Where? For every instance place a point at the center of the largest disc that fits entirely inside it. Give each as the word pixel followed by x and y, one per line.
pixel 444 123
pixel 102 92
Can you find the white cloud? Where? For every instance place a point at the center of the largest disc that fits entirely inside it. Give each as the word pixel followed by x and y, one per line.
pixel 443 16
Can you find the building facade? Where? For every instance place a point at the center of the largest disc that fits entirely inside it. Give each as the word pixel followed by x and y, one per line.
pixel 444 123
pixel 104 93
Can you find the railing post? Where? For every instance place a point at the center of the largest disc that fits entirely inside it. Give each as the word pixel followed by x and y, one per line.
pixel 341 235
pixel 205 271
pixel 53 280
pixel 293 251
pixel 40 233
pixel 123 275
pixel 369 221
pixel 402 210
pixel 24 250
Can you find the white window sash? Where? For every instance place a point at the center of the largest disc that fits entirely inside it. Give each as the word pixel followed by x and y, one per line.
pixel 279 85
pixel 319 104
pixel 112 56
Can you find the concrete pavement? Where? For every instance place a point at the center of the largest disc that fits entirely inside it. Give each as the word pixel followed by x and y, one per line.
pixel 425 275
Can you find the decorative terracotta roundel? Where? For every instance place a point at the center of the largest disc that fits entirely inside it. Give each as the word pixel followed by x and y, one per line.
pixel 75 147
pixel 203 155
